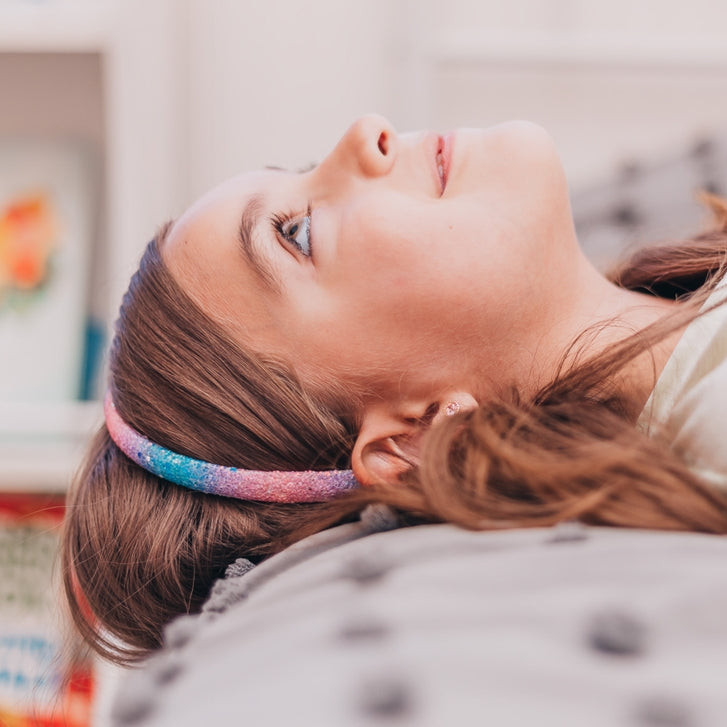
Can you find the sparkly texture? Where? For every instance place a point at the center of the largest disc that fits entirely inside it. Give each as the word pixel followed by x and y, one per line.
pixel 214 479
pixel 452 408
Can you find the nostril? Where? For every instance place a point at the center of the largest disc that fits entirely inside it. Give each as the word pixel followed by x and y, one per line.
pixel 383 143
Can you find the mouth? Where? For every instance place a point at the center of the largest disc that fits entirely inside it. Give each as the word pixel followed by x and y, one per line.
pixel 443 159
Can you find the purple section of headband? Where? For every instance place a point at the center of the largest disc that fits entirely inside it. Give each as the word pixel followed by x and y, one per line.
pixel 195 474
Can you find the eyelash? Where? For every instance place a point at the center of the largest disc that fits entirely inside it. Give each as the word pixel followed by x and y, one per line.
pixel 280 221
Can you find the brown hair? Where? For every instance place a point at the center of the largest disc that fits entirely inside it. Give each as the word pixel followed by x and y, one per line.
pixel 137 551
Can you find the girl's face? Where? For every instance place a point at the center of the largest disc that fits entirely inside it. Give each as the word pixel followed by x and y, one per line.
pixel 400 265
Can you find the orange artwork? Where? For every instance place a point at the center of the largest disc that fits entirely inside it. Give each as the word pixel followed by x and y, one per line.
pixel 28 237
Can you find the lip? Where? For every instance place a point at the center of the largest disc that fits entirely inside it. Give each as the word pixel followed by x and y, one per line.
pixel 443 154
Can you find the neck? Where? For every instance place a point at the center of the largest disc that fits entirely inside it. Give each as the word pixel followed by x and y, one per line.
pixel 611 314
pixel 630 313
pixel 594 316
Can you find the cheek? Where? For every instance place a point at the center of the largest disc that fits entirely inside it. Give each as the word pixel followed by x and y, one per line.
pixel 397 274
pixel 409 270
pixel 369 314
pixel 381 252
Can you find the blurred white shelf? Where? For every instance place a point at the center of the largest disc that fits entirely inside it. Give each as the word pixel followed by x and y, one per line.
pixel 141 43
pixel 55 26
pixel 41 445
pixel 69 419
pixel 617 51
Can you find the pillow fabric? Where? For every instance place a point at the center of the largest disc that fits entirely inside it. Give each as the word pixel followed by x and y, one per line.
pixel 434 625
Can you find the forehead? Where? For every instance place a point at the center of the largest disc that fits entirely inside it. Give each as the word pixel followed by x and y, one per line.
pixel 210 229
pixel 217 213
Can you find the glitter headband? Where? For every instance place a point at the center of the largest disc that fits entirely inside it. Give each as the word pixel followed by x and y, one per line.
pixel 214 479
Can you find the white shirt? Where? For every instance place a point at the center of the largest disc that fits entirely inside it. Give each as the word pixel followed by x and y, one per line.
pixel 688 405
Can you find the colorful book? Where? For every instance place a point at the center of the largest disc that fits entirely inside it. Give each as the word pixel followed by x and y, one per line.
pixel 38 688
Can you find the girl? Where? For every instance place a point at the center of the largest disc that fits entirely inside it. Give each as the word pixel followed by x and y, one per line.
pixel 411 323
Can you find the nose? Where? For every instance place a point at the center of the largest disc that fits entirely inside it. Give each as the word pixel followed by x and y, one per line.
pixel 368 148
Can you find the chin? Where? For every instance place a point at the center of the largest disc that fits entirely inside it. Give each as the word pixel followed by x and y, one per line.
pixel 525 141
pixel 512 162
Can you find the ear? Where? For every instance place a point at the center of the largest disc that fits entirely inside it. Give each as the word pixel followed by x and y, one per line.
pixel 389 440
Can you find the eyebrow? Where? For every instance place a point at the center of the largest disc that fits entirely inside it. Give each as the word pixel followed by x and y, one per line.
pixel 246 237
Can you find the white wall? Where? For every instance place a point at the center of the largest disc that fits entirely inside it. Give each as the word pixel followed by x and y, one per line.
pixel 276 82
pixel 698 18
pixel 608 80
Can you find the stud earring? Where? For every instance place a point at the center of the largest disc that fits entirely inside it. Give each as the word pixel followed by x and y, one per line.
pixel 452 408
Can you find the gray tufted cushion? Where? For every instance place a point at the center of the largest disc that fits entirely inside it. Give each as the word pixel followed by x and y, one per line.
pixel 575 626
pixel 650 200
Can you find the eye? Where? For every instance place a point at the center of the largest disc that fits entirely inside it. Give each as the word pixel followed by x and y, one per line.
pixel 296 231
